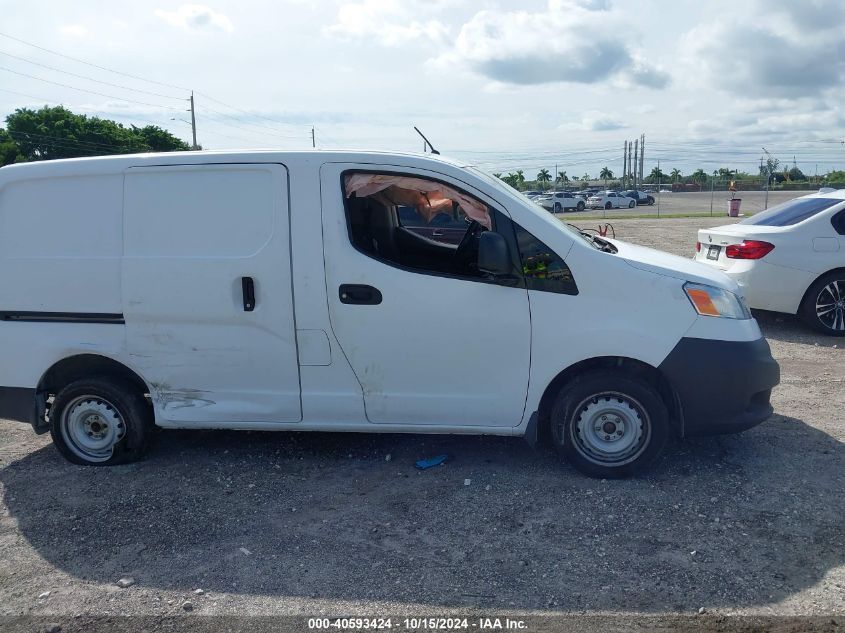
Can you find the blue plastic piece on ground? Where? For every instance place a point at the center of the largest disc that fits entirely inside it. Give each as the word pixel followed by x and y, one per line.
pixel 431 462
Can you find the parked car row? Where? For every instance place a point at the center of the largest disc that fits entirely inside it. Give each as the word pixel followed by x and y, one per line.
pixel 562 201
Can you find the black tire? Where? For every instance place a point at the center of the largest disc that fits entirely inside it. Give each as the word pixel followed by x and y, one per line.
pixel 649 201
pixel 581 206
pixel 557 207
pixel 606 392
pixel 822 293
pixel 131 421
pixel 632 204
pixel 607 205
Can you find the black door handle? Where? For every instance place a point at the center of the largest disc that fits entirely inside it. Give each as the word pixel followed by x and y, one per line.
pixel 359 295
pixel 248 288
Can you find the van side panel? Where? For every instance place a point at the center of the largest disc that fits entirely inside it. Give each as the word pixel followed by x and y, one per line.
pixel 192 235
pixel 60 244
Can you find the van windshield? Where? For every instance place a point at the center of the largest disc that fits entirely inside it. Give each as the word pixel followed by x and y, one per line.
pixel 791 212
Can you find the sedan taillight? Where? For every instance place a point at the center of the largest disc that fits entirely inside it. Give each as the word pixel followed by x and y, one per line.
pixel 698 247
pixel 749 249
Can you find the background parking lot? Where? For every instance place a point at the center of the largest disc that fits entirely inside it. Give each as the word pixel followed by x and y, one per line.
pixel 698 203
pixel 285 523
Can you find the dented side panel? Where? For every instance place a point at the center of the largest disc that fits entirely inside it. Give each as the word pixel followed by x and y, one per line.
pixel 192 234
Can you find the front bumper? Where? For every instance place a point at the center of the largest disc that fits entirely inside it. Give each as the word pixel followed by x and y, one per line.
pixel 722 386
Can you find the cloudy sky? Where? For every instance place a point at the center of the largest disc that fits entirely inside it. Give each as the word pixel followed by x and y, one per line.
pixel 505 85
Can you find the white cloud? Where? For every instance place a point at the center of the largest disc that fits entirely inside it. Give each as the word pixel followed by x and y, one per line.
pixel 595 121
pixel 196 17
pixel 570 41
pixel 75 30
pixel 388 22
pixel 782 50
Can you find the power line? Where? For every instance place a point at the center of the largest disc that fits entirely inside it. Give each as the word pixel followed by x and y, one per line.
pixel 93 92
pixel 93 145
pixel 106 83
pixel 258 125
pixel 82 61
pixel 246 112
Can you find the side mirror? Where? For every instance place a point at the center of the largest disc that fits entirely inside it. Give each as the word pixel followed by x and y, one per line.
pixel 493 254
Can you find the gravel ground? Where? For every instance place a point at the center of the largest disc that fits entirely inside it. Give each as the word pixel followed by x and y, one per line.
pixel 318 524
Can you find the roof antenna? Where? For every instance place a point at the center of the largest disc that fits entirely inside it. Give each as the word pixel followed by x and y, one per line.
pixel 430 146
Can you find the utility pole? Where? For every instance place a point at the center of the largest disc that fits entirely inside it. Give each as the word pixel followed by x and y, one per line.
pixel 313 139
pixel 642 155
pixel 630 178
pixel 658 183
pixel 625 164
pixel 636 160
pixel 193 122
pixel 768 176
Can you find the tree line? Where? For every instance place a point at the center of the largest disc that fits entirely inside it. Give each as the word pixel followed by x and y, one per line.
pixel 56 132
pixel 770 170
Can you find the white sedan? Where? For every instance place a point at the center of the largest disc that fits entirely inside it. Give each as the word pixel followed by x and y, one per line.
pixel 790 258
pixel 610 200
pixel 561 201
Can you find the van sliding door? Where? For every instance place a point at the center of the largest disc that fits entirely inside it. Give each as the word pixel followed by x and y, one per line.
pixel 207 293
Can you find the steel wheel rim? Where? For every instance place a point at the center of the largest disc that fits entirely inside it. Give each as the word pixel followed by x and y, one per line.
pixel 610 429
pixel 91 427
pixel 830 306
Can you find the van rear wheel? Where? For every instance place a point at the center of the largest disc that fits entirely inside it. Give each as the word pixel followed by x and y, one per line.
pixel 609 424
pixel 101 421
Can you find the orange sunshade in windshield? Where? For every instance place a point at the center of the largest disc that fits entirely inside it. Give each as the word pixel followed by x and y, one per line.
pixel 435 194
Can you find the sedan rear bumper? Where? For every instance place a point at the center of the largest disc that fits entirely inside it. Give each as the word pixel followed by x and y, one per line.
pixel 722 386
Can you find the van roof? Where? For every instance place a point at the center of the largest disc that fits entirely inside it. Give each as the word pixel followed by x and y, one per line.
pixel 119 162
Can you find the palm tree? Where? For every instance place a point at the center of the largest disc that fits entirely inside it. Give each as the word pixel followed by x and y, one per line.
pixel 520 176
pixel 585 177
pixel 699 176
pixel 606 175
pixel 512 179
pixel 656 175
pixel 497 175
pixel 675 174
pixel 543 176
pixel 562 178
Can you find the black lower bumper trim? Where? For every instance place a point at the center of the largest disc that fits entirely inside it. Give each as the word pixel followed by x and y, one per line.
pixel 18 404
pixel 723 386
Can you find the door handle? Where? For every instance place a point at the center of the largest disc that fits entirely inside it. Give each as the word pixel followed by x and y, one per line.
pixel 248 289
pixel 358 294
pixel 437 233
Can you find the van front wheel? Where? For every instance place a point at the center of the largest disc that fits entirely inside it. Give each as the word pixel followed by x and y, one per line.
pixel 101 421
pixel 609 424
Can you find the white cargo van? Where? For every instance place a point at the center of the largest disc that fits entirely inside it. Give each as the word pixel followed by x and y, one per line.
pixel 351 291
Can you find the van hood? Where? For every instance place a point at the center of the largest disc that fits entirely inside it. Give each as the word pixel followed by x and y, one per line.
pixel 660 263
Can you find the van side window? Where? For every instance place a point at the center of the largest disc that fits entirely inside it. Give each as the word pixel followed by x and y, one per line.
pixel 542 268
pixel 416 223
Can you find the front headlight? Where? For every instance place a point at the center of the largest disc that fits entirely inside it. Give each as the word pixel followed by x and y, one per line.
pixel 716 302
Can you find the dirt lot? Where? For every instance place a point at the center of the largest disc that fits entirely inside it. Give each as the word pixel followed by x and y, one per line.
pixel 343 524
